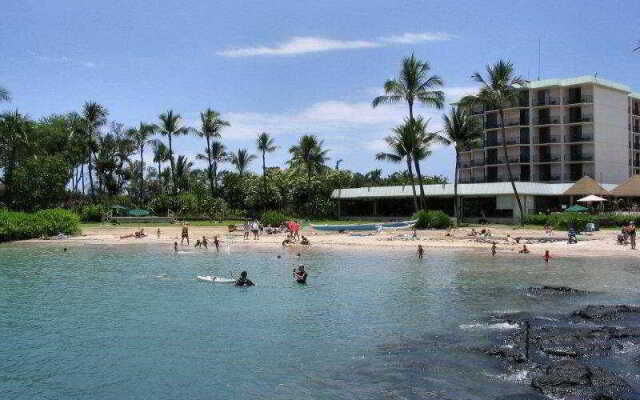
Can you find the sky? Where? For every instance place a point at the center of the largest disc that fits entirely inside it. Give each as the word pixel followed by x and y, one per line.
pixel 297 67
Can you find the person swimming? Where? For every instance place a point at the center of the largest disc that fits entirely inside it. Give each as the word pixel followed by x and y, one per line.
pixel 300 275
pixel 547 256
pixel 243 280
pixel 524 250
pixel 420 251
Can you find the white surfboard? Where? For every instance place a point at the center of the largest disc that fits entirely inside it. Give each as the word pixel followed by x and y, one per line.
pixel 215 279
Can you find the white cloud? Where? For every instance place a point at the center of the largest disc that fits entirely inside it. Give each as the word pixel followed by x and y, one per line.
pixel 63 60
pixel 310 44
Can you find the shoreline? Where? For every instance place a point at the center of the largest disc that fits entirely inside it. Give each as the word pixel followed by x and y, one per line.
pixel 598 244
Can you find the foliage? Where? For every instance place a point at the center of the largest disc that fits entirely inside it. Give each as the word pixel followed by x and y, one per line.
pixel 565 219
pixel 432 219
pixel 213 207
pixel 92 213
pixel 273 218
pixel 39 183
pixel 21 226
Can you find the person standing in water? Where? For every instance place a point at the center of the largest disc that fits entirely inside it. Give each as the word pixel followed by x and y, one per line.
pixel 547 256
pixel 205 242
pixel 185 234
pixel 175 247
pixel 216 242
pixel 494 248
pixel 420 252
pixel 300 275
pixel 158 233
pixel 243 280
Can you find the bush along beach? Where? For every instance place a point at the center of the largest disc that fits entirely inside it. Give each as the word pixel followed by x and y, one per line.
pixel 21 226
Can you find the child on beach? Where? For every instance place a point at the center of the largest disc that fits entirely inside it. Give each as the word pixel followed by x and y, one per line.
pixel 493 249
pixel 524 250
pixel 185 234
pixel 420 251
pixel 198 244
pixel 547 256
pixel 158 233
pixel 175 247
pixel 216 242
pixel 204 242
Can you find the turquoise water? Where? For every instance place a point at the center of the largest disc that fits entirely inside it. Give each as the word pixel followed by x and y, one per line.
pixel 133 322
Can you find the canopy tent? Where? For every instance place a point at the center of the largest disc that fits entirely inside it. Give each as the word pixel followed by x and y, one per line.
pixel 628 188
pixel 118 210
pixel 591 199
pixel 586 186
pixel 576 208
pixel 138 213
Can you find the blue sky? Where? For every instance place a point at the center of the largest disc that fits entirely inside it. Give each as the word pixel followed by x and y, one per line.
pixel 294 67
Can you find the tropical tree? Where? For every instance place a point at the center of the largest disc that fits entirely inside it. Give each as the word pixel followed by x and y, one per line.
pixel 413 84
pixel 14 138
pixel 265 144
pixel 140 137
pixel 170 126
pixel 183 172
pixel 217 154
pixel 402 144
pixel 211 127
pixel 497 92
pixel 4 94
pixel 308 154
pixel 95 117
pixel 338 162
pixel 241 160
pixel 461 129
pixel 160 154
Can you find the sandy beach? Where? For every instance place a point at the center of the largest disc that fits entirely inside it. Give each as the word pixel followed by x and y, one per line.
pixel 595 244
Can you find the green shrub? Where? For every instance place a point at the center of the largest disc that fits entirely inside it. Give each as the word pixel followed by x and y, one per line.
pixel 565 219
pixel 213 207
pixel 434 219
pixel 20 226
pixel 273 218
pixel 92 213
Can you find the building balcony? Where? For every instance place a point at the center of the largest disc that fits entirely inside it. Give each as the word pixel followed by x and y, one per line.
pixel 579 119
pixel 636 146
pixel 548 178
pixel 547 121
pixel 546 158
pixel 547 139
pixel 578 157
pixel 578 138
pixel 579 100
pixel 508 124
pixel 547 101
pixel 636 163
pixel 472 164
pixel 473 179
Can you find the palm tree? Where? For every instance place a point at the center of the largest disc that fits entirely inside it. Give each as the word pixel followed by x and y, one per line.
pixel 308 154
pixel 95 116
pixel 14 137
pixel 265 144
pixel 217 154
pixel 140 138
pixel 413 84
pixel 497 92
pixel 241 160
pixel 211 127
pixel 170 125
pixel 160 155
pixel 183 172
pixel 460 129
pixel 338 162
pixel 402 144
pixel 4 94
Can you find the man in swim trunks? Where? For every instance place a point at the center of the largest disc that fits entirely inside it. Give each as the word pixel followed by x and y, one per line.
pixel 243 281
pixel 420 251
pixel 185 234
pixel 205 242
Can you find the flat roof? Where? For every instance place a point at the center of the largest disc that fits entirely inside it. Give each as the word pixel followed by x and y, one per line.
pixel 580 80
pixel 464 189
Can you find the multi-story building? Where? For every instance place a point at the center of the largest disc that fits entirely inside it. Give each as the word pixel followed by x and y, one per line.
pixel 559 131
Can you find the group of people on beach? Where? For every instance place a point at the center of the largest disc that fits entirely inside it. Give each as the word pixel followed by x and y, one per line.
pixel 627 235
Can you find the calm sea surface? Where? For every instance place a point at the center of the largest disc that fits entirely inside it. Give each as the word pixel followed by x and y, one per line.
pixel 125 322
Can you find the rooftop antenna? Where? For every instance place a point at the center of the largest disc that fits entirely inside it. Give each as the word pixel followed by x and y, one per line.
pixel 538 58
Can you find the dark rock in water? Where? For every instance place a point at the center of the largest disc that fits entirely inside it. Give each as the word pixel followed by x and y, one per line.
pixel 523 396
pixel 554 291
pixel 506 353
pixel 608 312
pixel 572 378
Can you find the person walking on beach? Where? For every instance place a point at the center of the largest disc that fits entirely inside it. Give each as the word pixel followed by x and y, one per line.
pixel 158 233
pixel 420 252
pixel 216 242
pixel 547 256
pixel 205 242
pixel 185 234
pixel 246 229
pixel 493 249
pixel 631 231
pixel 255 228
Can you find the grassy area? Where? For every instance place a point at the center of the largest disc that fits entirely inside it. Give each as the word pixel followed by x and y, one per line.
pixel 304 222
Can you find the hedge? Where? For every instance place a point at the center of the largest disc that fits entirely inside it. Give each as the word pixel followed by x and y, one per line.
pixel 21 226
pixel 564 220
pixel 273 218
pixel 432 219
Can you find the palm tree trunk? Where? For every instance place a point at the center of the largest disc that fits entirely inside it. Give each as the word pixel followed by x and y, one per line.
pixel 210 166
pixel 90 171
pixel 508 164
pixel 264 173
pixel 82 177
pixel 413 184
pixel 423 202
pixel 141 173
pixel 215 175
pixel 173 178
pixel 455 188
pixel 160 177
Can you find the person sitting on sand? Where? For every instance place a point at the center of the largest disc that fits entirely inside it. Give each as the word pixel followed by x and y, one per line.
pixel 524 250
pixel 473 232
pixel 420 251
pixel 243 281
pixel 216 242
pixel 185 234
pixel 137 234
pixel 547 256
pixel 300 275
pixel 205 242
pixel 572 236
pixel 449 232
pixel 494 248
pixel 305 241
pixel 286 242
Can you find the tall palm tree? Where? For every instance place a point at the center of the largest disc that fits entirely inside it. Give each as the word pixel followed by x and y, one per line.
pixel 160 155
pixel 308 154
pixel 241 160
pixel 140 137
pixel 170 126
pixel 217 154
pixel 460 129
pixel 211 127
pixel 402 144
pixel 4 94
pixel 413 84
pixel 497 92
pixel 183 172
pixel 338 162
pixel 95 117
pixel 265 144
pixel 14 137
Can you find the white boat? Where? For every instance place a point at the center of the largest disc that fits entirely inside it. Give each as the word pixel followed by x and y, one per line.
pixel 363 227
pixel 215 279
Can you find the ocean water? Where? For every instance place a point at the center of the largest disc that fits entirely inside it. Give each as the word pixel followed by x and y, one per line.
pixel 120 322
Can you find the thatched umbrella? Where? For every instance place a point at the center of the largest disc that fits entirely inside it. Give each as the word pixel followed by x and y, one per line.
pixel 586 186
pixel 628 188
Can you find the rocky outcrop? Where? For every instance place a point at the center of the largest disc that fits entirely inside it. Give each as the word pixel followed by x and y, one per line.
pixel 554 291
pixel 608 312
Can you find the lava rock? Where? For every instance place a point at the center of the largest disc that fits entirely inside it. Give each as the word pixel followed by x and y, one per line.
pixel 506 353
pixel 554 291
pixel 607 312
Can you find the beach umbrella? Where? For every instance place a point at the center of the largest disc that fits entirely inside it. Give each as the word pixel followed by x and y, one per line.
pixel 576 208
pixel 591 199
